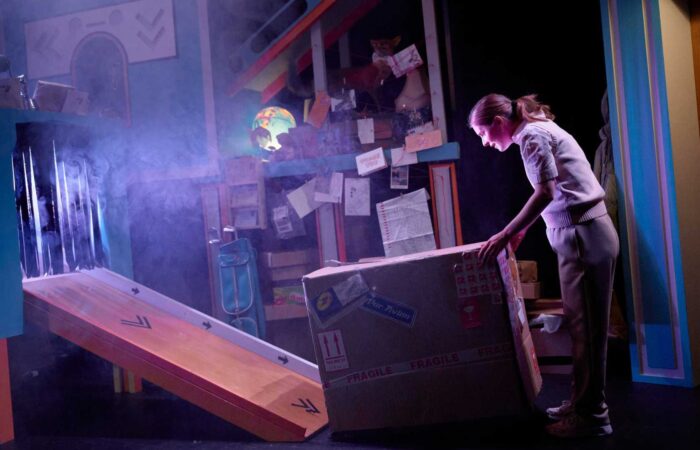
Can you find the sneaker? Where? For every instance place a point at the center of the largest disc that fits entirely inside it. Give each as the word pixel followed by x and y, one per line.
pixel 561 411
pixel 577 426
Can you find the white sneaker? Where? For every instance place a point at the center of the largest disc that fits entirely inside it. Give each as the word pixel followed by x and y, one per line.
pixel 561 411
pixel 577 426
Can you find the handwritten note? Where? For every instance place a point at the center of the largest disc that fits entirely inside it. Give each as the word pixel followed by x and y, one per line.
pixel 357 197
pixel 405 61
pixel 371 161
pixel 329 188
pixel 365 130
pixel 302 199
pixel 423 141
pixel 405 224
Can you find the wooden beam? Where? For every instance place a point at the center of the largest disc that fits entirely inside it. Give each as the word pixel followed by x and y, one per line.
pixel 7 432
pixel 432 48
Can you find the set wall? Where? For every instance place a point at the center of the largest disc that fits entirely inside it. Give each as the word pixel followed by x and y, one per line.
pixel 685 141
pixel 166 95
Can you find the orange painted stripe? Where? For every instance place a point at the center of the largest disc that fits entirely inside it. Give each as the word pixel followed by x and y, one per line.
pixel 433 206
pixel 329 39
pixel 132 382
pixel 340 232
pixel 455 205
pixel 7 427
pixel 280 46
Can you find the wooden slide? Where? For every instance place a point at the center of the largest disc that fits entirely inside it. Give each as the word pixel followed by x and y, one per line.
pixel 229 380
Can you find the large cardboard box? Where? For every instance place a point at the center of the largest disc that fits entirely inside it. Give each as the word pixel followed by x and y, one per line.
pixel 419 339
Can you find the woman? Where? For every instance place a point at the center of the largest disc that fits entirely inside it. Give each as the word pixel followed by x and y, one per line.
pixel 570 200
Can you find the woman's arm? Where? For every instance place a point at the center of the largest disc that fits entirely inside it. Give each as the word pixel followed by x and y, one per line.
pixel 538 201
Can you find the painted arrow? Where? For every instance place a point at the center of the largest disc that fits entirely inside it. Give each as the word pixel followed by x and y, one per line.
pixel 284 359
pixel 307 405
pixel 206 324
pixel 135 290
pixel 142 322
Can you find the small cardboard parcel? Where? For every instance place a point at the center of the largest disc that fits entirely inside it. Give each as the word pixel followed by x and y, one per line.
pixel 425 338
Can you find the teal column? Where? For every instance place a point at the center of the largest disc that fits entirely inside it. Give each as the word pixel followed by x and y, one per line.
pixel 11 319
pixel 647 150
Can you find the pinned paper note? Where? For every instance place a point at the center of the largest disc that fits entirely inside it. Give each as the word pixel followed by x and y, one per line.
pixel 302 199
pixel 400 157
pixel 371 161
pixel 281 220
pixel 319 111
pixel 329 188
pixel 344 101
pixel 365 130
pixel 357 197
pixel 399 177
pixel 423 141
pixel 405 224
pixel 405 61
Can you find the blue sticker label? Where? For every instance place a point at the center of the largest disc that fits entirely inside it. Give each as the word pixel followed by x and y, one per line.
pixel 326 305
pixel 390 309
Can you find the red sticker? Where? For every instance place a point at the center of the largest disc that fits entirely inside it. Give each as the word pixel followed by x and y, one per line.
pixel 469 314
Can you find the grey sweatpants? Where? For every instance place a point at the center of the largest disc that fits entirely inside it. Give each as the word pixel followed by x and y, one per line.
pixel 586 253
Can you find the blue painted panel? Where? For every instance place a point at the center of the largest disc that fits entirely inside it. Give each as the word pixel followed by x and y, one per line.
pixel 673 208
pixel 11 318
pixel 338 163
pixel 646 180
pixel 647 187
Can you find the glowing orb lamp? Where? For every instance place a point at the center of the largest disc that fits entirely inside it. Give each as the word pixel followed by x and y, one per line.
pixel 276 120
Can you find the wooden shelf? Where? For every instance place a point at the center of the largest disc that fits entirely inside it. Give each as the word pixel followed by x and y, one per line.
pixel 448 151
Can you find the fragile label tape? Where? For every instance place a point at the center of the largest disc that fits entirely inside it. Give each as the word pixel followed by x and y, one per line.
pixel 459 358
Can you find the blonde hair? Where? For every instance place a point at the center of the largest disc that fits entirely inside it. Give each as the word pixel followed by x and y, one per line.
pixel 526 108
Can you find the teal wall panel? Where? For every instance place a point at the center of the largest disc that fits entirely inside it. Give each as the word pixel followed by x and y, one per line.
pixel 11 318
pixel 166 95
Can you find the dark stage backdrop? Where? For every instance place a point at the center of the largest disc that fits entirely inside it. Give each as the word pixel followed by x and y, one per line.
pixel 551 48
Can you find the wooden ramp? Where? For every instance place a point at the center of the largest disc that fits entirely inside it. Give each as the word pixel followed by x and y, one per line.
pixel 234 383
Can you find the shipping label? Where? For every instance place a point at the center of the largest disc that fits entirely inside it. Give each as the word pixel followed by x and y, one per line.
pixel 392 310
pixel 331 304
pixel 333 350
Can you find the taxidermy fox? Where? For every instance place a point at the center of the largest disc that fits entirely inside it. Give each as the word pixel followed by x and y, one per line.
pixel 367 78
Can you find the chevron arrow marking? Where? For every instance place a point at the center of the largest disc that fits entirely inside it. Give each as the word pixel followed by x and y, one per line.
pixel 141 322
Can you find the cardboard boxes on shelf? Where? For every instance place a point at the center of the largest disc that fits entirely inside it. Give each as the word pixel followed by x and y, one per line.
pixel 424 338
pixel 284 270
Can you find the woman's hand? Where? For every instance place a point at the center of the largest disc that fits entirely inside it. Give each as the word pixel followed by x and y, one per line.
pixel 493 246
